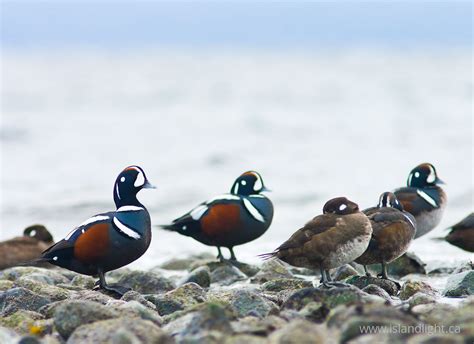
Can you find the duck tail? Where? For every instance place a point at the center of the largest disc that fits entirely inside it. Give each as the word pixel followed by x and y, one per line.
pixel 268 256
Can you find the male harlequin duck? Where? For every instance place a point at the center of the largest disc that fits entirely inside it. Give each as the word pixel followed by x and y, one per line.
pixel 423 198
pixel 110 240
pixel 230 219
pixel 462 234
pixel 392 232
pixel 328 241
pixel 28 247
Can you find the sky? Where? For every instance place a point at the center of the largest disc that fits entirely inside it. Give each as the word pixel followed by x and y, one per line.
pixel 58 24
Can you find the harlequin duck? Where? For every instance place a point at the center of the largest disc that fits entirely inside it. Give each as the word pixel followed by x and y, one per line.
pixel 26 248
pixel 392 232
pixel 462 234
pixel 423 198
pixel 337 237
pixel 231 219
pixel 109 240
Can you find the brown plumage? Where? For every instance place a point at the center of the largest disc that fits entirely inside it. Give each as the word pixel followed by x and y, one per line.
pixel 462 234
pixel 328 241
pixel 26 248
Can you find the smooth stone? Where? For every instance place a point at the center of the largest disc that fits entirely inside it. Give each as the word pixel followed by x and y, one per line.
pixel 145 282
pixel 329 297
pixel 50 291
pixel 344 272
pixel 420 298
pixel 461 284
pixel 50 275
pixel 105 332
pixel 411 287
pixel 83 281
pixel 178 299
pixel 137 297
pixel 200 276
pixel 5 285
pixel 363 281
pixel 15 299
pixel 435 339
pixel 315 312
pixel 21 321
pixel 373 289
pixel 299 332
pixel 249 303
pixel 433 313
pixel 270 270
pixel 245 339
pixel 8 336
pixel 256 326
pixel 280 284
pixel 227 275
pixel 70 315
pixel 92 295
pixel 134 309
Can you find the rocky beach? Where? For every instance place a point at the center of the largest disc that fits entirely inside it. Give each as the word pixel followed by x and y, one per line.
pixel 200 300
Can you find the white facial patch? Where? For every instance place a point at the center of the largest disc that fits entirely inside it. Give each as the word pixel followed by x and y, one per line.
pixel 126 230
pixel 122 179
pixel 258 183
pixel 432 176
pixel 417 174
pixel 427 198
pixel 33 233
pixel 117 191
pixel 253 211
pixel 140 180
pixel 243 182
pixel 55 258
pixel 342 207
pixel 197 212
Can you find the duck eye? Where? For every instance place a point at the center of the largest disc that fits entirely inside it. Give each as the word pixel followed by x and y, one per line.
pixel 122 179
pixel 243 182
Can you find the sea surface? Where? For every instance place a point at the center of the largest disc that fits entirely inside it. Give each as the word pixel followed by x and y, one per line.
pixel 315 125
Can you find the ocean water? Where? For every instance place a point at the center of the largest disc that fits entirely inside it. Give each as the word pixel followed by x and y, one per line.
pixel 315 125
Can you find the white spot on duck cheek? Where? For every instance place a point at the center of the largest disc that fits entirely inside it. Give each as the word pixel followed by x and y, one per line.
pixel 122 179
pixel 432 176
pixel 55 258
pixel 140 180
pixel 243 182
pixel 417 174
pixel 342 207
pixel 32 233
pixel 258 184
pixel 184 228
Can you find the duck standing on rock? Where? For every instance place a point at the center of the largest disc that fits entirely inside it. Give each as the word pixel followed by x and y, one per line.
pixel 462 234
pixel 337 237
pixel 231 219
pixel 25 248
pixel 423 198
pixel 109 240
pixel 392 232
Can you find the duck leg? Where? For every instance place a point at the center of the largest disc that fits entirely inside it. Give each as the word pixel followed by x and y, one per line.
pixel 384 275
pixel 112 288
pixel 232 254
pixel 324 280
pixel 367 273
pixel 219 254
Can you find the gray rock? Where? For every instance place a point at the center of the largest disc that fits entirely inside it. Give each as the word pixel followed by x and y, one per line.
pixel 373 289
pixel 105 332
pixel 363 281
pixel 191 262
pixel 133 309
pixel 270 270
pixel 50 291
pixel 8 335
pixel 257 326
pixel 227 274
pixel 407 264
pixel 200 276
pixel 70 315
pixel 420 299
pixel 5 285
pixel 178 299
pixel 433 313
pixel 134 296
pixel 92 295
pixel 410 288
pixel 461 284
pixel 299 332
pixel 249 303
pixel 280 284
pixel 344 272
pixel 145 282
pixel 15 299
pixel 316 312
pixel 49 276
pixel 245 339
pixel 21 321
pixel 84 282
pixel 247 269
pixel 329 297
pixel 436 339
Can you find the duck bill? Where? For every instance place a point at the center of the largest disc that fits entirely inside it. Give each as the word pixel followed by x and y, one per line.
pixel 439 181
pixel 148 185
pixel 265 189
